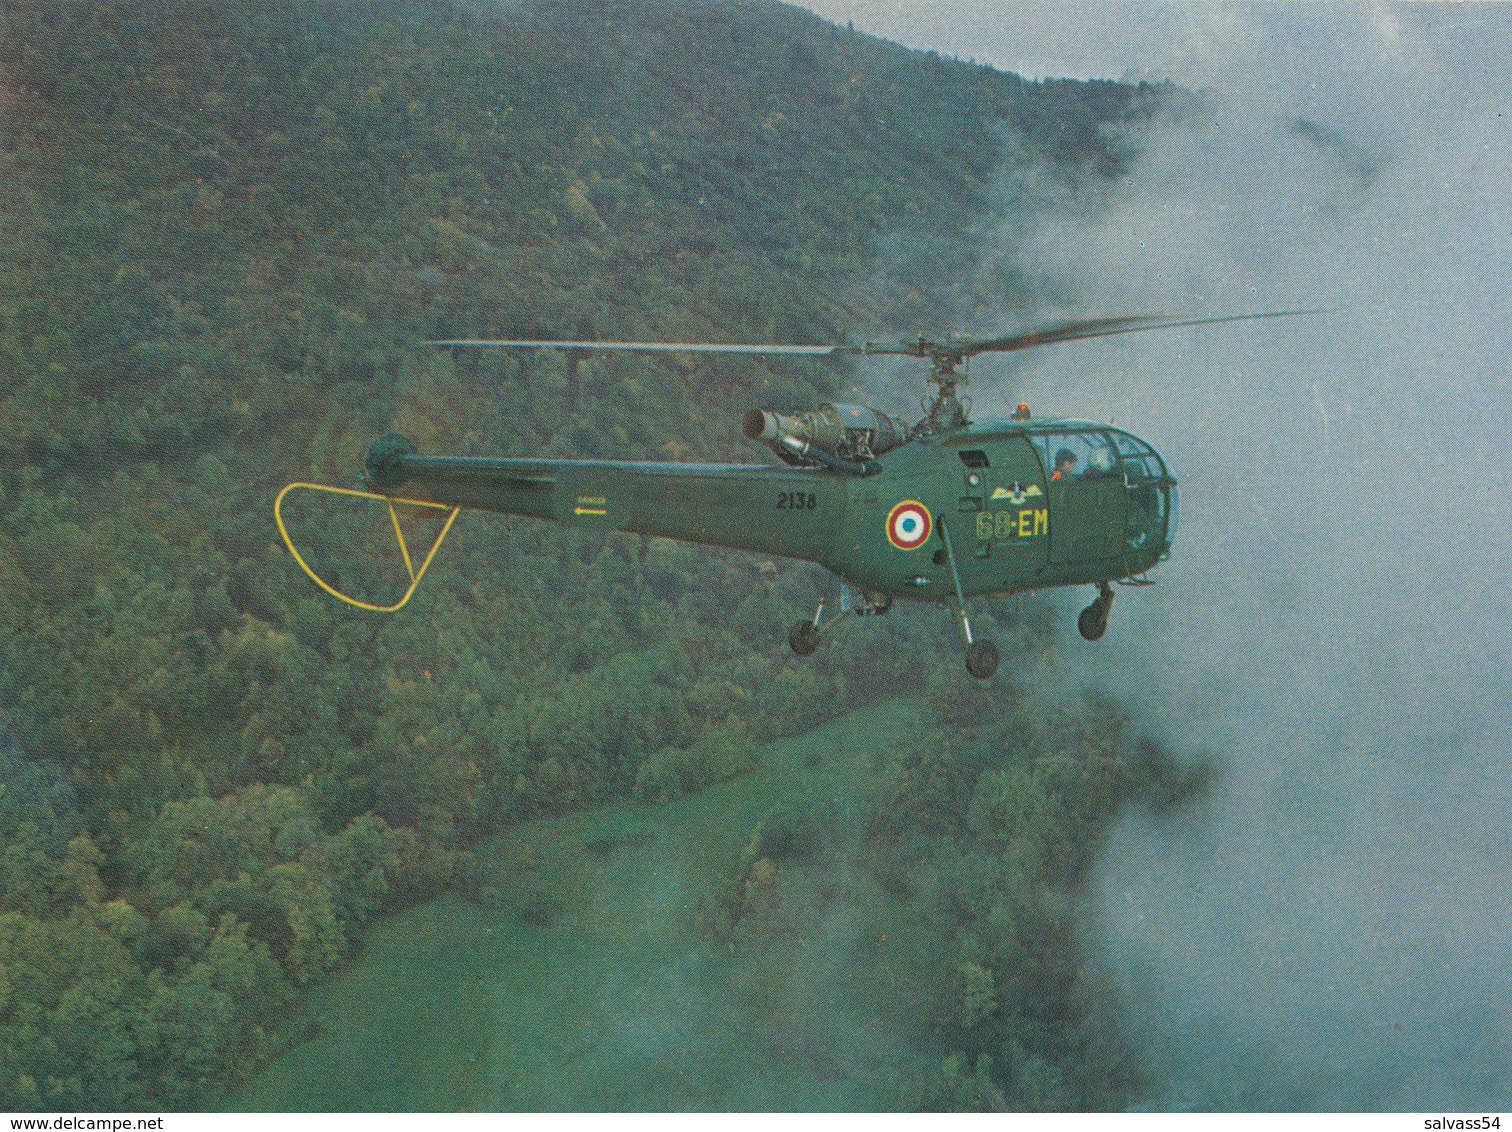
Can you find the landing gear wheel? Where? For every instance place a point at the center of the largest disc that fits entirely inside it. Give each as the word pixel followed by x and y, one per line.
pixel 982 659
pixel 803 638
pixel 1093 622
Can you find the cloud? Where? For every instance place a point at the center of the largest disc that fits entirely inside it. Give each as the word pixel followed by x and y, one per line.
pixel 1328 929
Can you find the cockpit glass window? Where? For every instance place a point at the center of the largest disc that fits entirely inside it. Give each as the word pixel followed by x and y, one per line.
pixel 1138 458
pixel 1069 455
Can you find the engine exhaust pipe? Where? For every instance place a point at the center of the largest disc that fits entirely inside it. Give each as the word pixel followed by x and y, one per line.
pixel 768 427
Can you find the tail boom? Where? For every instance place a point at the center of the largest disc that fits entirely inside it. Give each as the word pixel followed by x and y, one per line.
pixel 770 510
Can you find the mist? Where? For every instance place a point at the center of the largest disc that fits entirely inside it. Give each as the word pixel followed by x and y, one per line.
pixel 1328 928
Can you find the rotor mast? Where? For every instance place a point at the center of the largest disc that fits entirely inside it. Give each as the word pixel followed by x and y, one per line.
pixel 946 411
pixel 943 410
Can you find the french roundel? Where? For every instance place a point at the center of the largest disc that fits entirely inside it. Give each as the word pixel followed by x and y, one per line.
pixel 908 525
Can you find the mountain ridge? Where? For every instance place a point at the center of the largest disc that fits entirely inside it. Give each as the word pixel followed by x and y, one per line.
pixel 225 229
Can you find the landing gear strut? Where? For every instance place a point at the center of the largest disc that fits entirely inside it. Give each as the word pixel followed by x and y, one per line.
pixel 981 656
pixel 1093 622
pixel 803 638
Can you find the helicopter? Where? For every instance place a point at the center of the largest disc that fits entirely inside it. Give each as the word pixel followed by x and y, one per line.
pixel 940 511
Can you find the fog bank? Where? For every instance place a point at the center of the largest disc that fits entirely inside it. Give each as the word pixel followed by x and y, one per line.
pixel 1329 928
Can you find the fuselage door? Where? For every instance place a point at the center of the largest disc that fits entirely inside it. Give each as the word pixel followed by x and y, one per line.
pixel 1018 513
pixel 1088 499
pixel 1002 526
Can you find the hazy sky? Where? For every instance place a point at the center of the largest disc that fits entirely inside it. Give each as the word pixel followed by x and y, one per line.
pixel 1079 40
pixel 1085 39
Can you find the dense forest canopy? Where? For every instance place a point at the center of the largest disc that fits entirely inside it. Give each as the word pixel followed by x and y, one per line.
pixel 224 228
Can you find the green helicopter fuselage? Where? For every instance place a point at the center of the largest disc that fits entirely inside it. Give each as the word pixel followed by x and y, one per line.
pixel 990 507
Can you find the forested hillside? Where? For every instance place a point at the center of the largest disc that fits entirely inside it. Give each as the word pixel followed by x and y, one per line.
pixel 224 228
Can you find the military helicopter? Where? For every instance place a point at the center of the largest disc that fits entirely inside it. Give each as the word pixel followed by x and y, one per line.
pixel 941 511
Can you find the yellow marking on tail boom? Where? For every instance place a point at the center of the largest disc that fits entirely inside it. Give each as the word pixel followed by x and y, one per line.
pixel 590 505
pixel 415 575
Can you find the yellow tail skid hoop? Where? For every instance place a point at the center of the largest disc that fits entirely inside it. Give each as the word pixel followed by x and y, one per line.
pixel 415 575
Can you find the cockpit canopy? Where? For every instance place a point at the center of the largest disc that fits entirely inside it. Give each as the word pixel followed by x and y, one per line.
pixel 1091 451
pixel 1080 456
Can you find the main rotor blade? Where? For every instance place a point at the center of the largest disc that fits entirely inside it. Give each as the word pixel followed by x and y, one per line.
pixel 648 347
pixel 1102 327
pixel 922 348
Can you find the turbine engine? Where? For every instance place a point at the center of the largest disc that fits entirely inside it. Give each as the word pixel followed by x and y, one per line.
pixel 832 432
